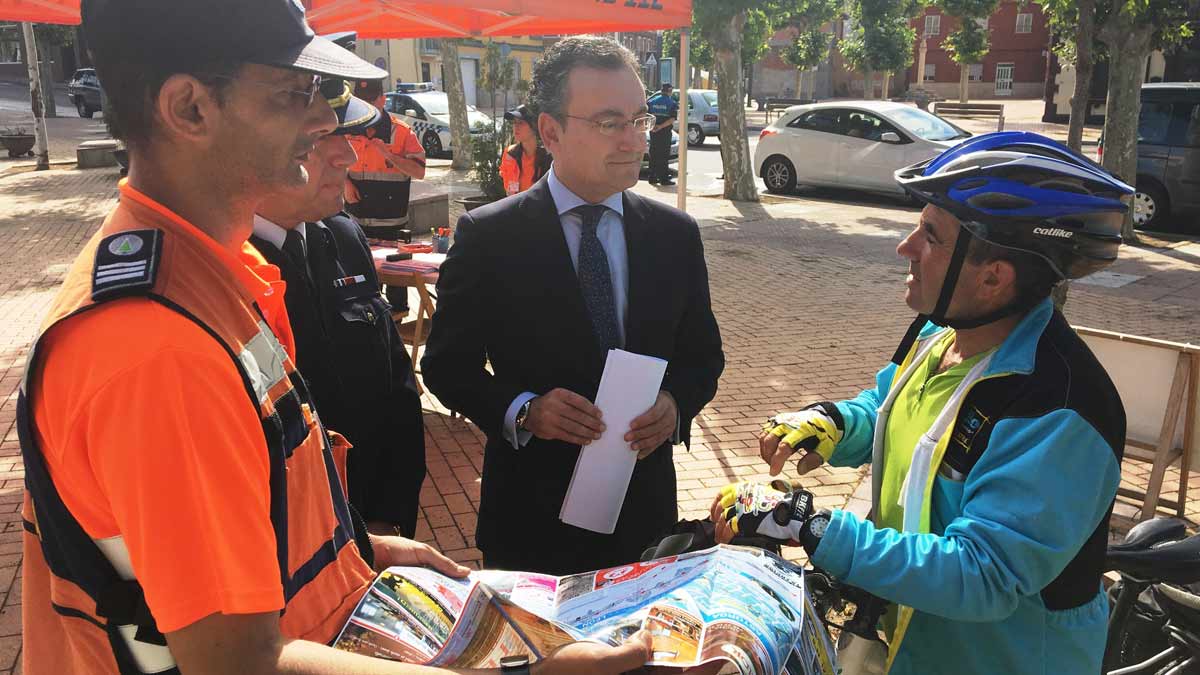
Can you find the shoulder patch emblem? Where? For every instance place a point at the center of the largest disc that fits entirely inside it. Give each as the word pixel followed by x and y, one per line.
pixel 126 263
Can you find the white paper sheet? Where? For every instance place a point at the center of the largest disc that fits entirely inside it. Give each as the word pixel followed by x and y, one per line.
pixel 628 388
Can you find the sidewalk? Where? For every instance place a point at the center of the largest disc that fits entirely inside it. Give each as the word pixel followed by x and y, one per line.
pixel 807 293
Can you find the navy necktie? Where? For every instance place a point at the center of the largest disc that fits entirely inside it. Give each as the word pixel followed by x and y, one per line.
pixel 595 279
pixel 295 248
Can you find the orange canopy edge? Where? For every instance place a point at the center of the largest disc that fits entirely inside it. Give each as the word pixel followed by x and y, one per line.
pixel 440 18
pixel 494 18
pixel 40 11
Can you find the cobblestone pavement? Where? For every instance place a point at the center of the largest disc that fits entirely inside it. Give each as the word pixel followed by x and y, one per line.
pixel 808 293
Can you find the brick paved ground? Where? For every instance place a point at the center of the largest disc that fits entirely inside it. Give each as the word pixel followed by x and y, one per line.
pixel 807 291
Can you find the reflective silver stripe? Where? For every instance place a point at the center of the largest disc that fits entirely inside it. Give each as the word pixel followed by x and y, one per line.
pixel 136 274
pixel 380 222
pixel 263 358
pixel 379 175
pixel 115 266
pixel 149 658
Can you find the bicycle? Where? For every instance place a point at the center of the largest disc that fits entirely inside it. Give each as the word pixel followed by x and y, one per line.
pixel 1154 625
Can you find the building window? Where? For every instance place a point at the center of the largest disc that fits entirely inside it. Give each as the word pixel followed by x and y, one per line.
pixel 933 24
pixel 930 72
pixel 1024 23
pixel 975 73
pixel 378 43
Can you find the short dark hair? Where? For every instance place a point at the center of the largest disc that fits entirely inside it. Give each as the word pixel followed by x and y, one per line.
pixel 667 85
pixel 131 87
pixel 548 91
pixel 1035 279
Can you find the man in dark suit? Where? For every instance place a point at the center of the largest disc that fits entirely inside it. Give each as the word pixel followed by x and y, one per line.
pixel 541 285
pixel 347 346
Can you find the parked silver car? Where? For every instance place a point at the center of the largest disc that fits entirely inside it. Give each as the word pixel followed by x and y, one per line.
pixel 703 118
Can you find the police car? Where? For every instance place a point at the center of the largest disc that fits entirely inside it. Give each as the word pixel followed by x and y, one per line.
pixel 428 113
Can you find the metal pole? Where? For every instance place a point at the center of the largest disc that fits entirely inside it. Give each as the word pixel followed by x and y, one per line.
pixel 35 93
pixel 681 194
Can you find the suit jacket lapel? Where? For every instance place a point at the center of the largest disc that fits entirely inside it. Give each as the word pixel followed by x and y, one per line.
pixel 639 254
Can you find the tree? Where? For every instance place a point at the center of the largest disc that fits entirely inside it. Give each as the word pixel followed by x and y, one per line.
pixel 811 45
pixel 970 43
pixel 49 37
pixel 456 98
pixel 1074 24
pixel 496 74
pixel 1131 29
pixel 881 39
pixel 700 53
pixel 806 52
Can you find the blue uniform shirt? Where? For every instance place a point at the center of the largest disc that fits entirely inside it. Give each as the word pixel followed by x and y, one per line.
pixel 662 107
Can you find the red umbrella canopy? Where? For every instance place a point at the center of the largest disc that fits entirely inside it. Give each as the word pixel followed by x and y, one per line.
pixel 487 18
pixel 40 11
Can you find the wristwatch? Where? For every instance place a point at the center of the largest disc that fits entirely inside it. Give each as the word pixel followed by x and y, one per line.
pixel 523 414
pixel 515 665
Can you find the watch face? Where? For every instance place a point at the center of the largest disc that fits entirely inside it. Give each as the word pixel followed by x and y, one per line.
pixel 818 525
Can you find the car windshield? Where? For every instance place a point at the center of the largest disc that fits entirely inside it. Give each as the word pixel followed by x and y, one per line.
pixel 437 104
pixel 925 125
pixel 710 96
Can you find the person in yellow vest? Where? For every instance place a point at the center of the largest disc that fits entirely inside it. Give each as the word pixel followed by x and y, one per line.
pixel 526 161
pixel 185 509
pixel 994 437
pixel 390 156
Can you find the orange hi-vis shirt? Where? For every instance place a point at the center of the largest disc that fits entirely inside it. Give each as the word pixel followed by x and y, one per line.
pixel 148 434
pixel 372 165
pixel 518 178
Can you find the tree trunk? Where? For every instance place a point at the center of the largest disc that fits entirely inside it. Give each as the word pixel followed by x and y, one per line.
pixel 460 134
pixel 1128 46
pixel 44 52
pixel 1084 35
pixel 868 83
pixel 799 82
pixel 964 82
pixel 887 84
pixel 735 155
pixel 750 87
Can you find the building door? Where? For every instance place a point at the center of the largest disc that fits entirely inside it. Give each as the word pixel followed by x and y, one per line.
pixel 469 68
pixel 425 71
pixel 1004 79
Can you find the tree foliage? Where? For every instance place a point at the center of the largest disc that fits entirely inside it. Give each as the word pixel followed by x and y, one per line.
pixel 808 49
pixel 969 44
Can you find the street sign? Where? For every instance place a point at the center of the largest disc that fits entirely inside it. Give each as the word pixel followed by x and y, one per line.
pixel 651 61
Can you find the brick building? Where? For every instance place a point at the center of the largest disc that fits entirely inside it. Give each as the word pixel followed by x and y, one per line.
pixel 1015 66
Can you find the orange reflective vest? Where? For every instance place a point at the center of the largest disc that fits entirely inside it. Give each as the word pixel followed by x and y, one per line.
pixel 83 609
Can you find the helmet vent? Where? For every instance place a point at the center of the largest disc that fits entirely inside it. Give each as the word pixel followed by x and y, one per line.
pixel 971 183
pixel 1063 186
pixel 998 201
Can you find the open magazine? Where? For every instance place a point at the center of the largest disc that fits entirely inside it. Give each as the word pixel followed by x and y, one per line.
pixel 744 606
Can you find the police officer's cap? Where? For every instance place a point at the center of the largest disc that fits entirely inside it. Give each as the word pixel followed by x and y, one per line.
pixel 180 33
pixel 354 114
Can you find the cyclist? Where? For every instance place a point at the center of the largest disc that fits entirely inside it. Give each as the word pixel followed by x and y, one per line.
pixel 995 438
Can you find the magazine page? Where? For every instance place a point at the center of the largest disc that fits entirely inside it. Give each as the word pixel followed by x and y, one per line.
pixel 743 606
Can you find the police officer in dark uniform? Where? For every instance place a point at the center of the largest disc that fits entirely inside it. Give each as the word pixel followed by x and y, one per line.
pixel 664 108
pixel 347 345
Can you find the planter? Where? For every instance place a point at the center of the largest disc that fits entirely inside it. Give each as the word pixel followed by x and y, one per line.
pixel 471 203
pixel 18 145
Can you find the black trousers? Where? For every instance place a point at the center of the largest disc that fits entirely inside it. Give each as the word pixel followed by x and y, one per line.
pixel 660 152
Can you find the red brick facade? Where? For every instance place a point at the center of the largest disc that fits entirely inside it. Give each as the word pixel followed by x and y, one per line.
pixel 1026 52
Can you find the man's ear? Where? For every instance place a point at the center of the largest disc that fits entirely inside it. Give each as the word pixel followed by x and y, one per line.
pixel 998 281
pixel 550 131
pixel 186 109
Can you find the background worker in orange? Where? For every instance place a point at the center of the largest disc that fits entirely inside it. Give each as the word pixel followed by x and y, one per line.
pixel 389 157
pixel 526 161
pixel 164 430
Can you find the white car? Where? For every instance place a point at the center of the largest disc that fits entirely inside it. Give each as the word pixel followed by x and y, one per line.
pixel 430 118
pixel 703 118
pixel 854 144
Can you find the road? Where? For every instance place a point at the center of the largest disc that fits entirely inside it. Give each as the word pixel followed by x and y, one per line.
pixel 14 100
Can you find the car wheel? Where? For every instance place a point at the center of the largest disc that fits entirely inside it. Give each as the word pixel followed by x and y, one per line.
pixel 1151 207
pixel 81 107
pixel 695 135
pixel 432 144
pixel 779 175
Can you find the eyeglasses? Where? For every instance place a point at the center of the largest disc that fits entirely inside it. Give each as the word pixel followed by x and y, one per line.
pixel 307 95
pixel 611 127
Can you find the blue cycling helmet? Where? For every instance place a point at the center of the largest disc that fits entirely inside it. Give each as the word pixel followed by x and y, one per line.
pixel 1024 191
